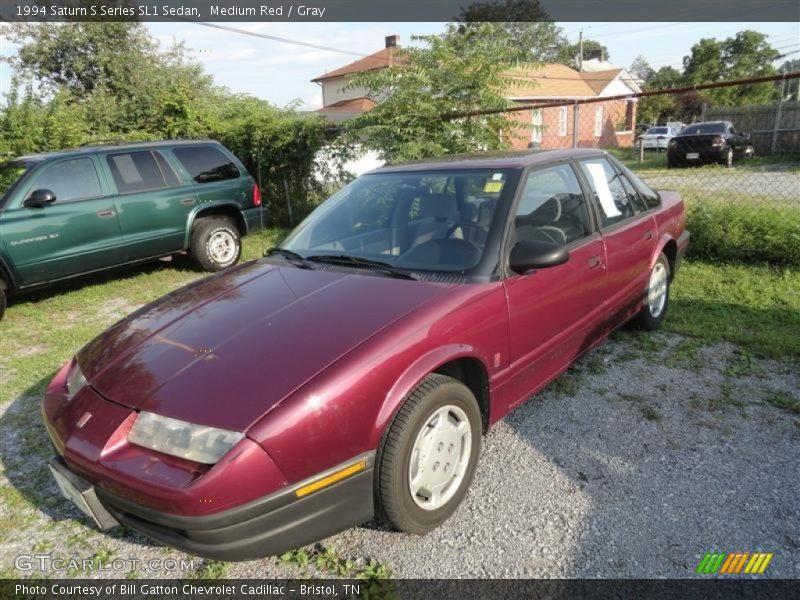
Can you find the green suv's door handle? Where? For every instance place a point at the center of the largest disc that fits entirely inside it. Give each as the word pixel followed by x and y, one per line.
pixel 106 214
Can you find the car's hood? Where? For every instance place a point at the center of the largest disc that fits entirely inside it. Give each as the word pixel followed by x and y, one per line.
pixel 223 351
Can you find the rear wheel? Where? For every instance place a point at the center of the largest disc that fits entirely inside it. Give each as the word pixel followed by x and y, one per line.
pixel 216 243
pixel 656 296
pixel 429 454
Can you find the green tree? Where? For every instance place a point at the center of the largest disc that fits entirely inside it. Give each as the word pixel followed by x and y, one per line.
pixel 790 87
pixel 747 54
pixel 569 53
pixel 641 69
pixel 521 25
pixel 448 74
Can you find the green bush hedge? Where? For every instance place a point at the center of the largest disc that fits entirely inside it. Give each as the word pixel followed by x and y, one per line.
pixel 763 230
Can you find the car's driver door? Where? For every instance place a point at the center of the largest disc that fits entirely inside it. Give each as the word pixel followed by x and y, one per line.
pixel 553 312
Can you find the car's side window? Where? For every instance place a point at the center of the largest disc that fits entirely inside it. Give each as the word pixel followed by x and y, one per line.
pixel 206 163
pixel 552 207
pixel 70 180
pixel 139 172
pixel 608 186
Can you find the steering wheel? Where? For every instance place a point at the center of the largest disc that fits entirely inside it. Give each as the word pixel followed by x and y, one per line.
pixel 471 232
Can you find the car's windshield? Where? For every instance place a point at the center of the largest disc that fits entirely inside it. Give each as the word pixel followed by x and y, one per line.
pixel 704 128
pixel 10 173
pixel 658 130
pixel 425 220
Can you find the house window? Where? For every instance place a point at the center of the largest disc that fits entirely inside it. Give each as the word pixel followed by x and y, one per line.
pixel 598 121
pixel 562 121
pixel 536 126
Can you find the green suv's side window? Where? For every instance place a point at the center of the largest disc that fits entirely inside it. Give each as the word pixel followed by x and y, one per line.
pixel 140 171
pixel 206 164
pixel 69 180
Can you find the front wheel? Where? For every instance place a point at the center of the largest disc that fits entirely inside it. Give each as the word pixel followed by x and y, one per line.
pixel 656 296
pixel 216 243
pixel 429 454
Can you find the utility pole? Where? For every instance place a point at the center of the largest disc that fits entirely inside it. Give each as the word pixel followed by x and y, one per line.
pixel 580 50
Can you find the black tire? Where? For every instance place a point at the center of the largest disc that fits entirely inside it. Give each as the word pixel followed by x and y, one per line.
pixel 3 301
pixel 206 236
pixel 393 497
pixel 648 319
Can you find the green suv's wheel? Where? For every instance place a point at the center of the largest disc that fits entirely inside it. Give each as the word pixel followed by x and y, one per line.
pixel 216 243
pixel 2 300
pixel 429 455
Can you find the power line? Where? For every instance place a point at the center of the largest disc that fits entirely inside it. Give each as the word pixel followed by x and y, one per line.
pixel 284 40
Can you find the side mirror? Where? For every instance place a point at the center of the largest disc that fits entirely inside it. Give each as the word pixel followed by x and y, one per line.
pixel 39 199
pixel 528 255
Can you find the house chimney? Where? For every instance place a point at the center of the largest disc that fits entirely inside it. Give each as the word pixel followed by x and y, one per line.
pixel 392 41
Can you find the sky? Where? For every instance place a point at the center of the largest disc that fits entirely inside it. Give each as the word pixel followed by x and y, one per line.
pixel 282 73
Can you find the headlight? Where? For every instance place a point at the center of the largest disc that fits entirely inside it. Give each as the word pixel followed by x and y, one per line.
pixel 75 380
pixel 197 443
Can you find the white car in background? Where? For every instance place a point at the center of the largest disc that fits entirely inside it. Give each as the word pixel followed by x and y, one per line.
pixel 658 137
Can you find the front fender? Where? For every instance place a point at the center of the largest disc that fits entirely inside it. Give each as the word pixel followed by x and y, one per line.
pixel 412 377
pixel 205 207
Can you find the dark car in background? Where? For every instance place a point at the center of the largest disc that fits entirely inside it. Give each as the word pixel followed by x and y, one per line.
pixel 78 211
pixel 708 143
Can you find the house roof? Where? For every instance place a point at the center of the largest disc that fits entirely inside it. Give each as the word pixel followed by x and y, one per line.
pixel 354 105
pixel 379 60
pixel 549 81
pixel 599 80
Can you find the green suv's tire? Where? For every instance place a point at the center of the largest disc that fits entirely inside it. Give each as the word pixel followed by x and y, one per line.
pixel 413 458
pixel 216 244
pixel 2 301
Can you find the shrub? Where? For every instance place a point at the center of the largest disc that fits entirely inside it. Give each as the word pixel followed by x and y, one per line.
pixel 763 230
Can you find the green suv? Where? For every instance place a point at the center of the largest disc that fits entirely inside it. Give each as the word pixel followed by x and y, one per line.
pixel 68 213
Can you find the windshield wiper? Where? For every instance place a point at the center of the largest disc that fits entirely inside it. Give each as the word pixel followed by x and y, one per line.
pixel 355 261
pixel 290 256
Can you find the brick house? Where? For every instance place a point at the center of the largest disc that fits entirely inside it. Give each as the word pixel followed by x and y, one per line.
pixel 602 124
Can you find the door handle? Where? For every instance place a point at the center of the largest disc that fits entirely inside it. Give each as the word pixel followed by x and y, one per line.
pixel 187 201
pixel 594 262
pixel 648 235
pixel 105 214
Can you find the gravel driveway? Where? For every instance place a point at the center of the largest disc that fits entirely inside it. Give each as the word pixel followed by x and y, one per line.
pixel 641 459
pixel 741 183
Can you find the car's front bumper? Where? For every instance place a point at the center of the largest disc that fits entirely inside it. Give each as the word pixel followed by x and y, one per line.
pixel 704 155
pixel 267 526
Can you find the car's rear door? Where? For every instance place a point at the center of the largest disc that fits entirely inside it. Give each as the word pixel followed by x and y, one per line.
pixel 78 233
pixel 217 176
pixel 152 201
pixel 553 312
pixel 629 231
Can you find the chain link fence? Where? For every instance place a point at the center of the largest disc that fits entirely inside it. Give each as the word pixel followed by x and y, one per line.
pixel 736 167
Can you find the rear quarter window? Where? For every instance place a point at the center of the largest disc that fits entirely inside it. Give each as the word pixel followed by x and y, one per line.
pixel 206 163
pixel 140 171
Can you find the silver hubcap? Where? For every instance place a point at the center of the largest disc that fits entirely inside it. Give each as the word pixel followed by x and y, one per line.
pixel 440 457
pixel 657 289
pixel 222 247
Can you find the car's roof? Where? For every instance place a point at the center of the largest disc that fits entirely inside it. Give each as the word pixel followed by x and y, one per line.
pixel 93 148
pixel 490 160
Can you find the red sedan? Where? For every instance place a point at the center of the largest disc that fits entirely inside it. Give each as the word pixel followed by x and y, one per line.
pixel 354 369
